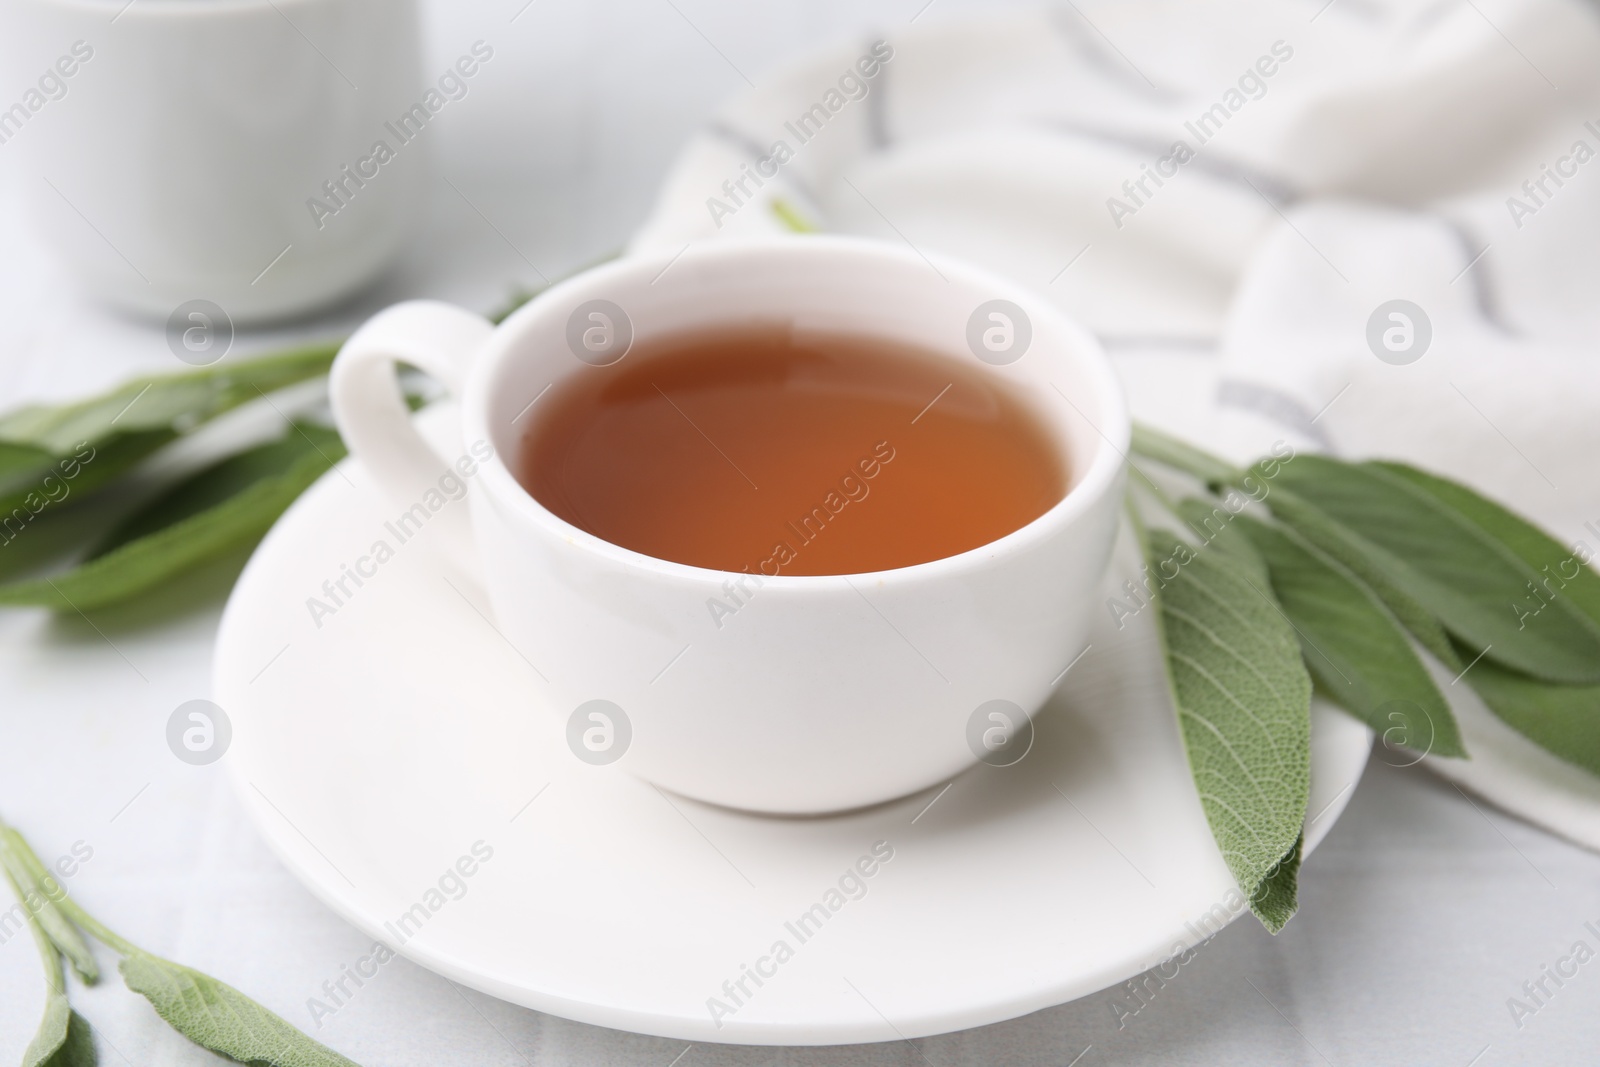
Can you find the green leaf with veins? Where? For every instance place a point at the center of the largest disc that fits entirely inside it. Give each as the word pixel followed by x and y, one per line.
pixel 224 508
pixel 1356 650
pixel 1353 552
pixel 64 1038
pixel 1215 526
pixel 1277 897
pixel 223 481
pixel 1464 576
pixel 1564 720
pixel 1243 699
pixel 66 938
pixel 217 1016
pixel 1577 583
pixel 208 1012
pixel 1164 448
pixel 35 886
pixel 160 401
pixel 118 429
pixel 1318 527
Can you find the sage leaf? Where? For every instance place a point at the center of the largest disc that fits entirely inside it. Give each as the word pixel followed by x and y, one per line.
pixel 1564 720
pixel 1355 649
pixel 64 1038
pixel 1278 895
pixel 21 465
pixel 1470 581
pixel 1359 556
pixel 217 1016
pixel 1243 699
pixel 224 508
pixel 224 480
pixel 33 891
pixel 87 444
pixel 163 401
pixel 1164 448
pixel 1215 528
pixel 1561 571
pixel 66 939
pixel 52 1032
pixel 75 472
pixel 1316 525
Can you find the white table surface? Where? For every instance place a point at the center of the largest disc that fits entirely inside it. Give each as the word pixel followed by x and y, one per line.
pixel 1421 914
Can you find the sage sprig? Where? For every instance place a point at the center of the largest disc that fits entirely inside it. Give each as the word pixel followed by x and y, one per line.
pixel 208 1012
pixel 1464 575
pixel 56 458
pixel 1352 645
pixel 221 509
pixel 99 439
pixel 1373 566
pixel 63 1038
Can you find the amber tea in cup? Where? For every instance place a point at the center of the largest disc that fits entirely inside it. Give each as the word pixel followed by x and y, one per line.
pixel 776 450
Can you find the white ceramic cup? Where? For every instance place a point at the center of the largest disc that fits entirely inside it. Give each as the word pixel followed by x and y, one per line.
pixel 173 150
pixel 823 693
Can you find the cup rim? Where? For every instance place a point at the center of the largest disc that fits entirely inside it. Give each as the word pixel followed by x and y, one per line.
pixel 1103 475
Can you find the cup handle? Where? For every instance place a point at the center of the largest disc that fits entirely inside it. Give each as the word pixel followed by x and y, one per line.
pixel 370 409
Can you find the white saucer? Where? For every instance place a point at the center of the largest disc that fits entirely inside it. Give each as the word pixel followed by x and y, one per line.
pixel 375 751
